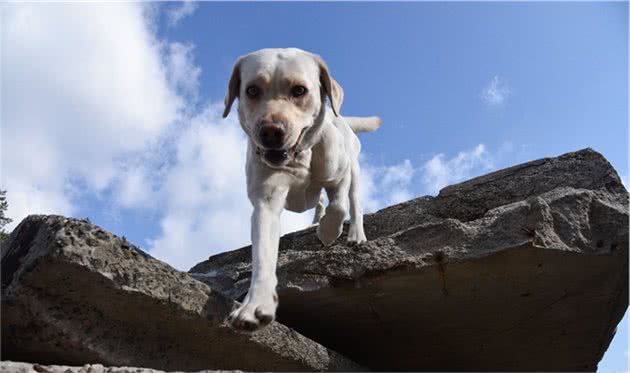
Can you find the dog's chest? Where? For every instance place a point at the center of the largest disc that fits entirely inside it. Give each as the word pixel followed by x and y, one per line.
pixel 320 168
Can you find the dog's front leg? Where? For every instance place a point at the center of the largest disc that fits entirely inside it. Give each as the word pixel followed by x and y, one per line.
pixel 259 306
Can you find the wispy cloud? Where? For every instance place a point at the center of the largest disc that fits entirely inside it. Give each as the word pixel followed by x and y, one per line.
pixel 495 92
pixel 210 212
pixel 90 96
pixel 129 131
pixel 382 186
pixel 206 209
pixel 439 172
pixel 182 10
pixel 181 70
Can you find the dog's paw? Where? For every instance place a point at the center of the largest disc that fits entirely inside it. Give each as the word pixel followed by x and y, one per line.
pixel 330 226
pixel 356 233
pixel 252 315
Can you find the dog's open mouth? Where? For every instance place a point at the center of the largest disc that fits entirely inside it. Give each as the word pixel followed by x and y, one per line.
pixel 276 157
pixel 279 157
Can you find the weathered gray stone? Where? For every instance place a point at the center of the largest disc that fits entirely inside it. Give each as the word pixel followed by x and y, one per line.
pixel 19 367
pixel 74 294
pixel 524 269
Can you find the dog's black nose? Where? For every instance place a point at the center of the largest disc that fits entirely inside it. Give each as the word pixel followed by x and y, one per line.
pixel 272 135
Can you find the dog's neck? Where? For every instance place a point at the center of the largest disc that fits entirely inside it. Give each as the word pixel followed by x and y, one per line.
pixel 312 135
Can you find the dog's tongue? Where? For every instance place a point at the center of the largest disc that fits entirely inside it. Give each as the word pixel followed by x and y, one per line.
pixel 276 156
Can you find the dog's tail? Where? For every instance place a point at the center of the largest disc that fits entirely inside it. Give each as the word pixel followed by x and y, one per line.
pixel 363 124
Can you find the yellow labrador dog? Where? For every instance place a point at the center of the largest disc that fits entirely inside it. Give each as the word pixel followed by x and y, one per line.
pixel 297 149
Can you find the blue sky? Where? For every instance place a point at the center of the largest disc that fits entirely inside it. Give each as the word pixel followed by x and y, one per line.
pixel 122 124
pixel 422 66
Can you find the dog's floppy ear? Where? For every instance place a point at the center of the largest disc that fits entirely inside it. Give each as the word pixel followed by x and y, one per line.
pixel 330 87
pixel 233 88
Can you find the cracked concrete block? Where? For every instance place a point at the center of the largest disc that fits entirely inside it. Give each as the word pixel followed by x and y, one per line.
pixel 73 293
pixel 523 269
pixel 20 367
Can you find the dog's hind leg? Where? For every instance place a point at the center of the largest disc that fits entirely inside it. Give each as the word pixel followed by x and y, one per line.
pixel 355 232
pixel 320 208
pixel 331 224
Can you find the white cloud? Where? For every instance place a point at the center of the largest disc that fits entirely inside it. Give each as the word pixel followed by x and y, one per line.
pixel 80 96
pixel 496 92
pixel 382 186
pixel 91 109
pixel 206 206
pixel 207 210
pixel 439 172
pixel 183 74
pixel 176 14
pixel 133 189
pixel 27 198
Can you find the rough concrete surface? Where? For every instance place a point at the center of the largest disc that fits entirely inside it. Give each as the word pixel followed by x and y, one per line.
pixel 523 269
pixel 19 367
pixel 73 293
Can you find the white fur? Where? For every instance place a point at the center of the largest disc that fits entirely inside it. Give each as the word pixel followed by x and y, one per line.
pixel 327 162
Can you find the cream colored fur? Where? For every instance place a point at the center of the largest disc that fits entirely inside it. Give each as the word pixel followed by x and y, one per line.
pixel 323 156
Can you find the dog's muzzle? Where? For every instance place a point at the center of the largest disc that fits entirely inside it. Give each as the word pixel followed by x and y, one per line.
pixel 279 157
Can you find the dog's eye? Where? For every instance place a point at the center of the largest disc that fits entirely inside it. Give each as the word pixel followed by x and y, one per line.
pixel 252 91
pixel 298 91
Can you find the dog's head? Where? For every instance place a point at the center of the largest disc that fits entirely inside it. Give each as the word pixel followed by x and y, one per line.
pixel 282 93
